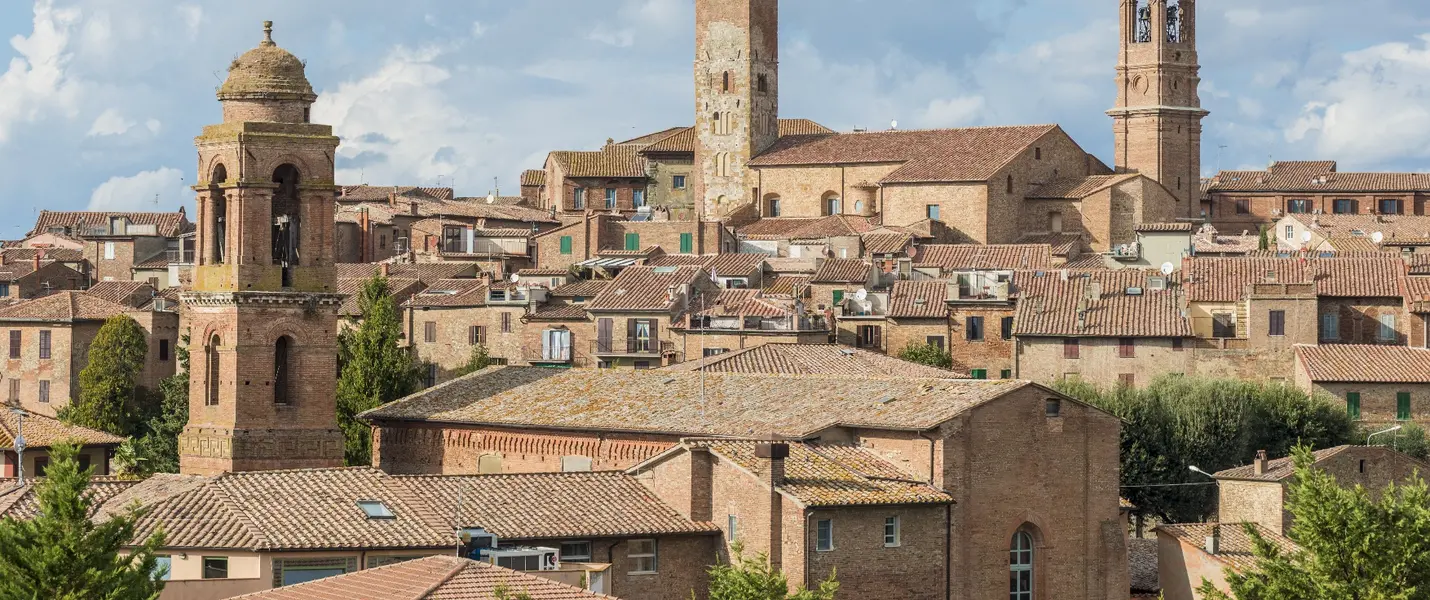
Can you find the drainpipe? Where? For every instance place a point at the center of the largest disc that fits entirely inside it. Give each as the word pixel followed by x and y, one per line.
pixel 931 451
pixel 808 551
pixel 948 552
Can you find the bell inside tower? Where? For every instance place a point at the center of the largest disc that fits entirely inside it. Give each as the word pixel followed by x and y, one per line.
pixel 220 211
pixel 286 221
pixel 1142 29
pixel 1174 21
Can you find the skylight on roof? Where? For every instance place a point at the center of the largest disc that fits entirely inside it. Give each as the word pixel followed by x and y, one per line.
pixel 375 509
pixel 664 269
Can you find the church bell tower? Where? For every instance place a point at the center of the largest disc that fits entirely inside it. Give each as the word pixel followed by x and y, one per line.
pixel 1157 122
pixel 263 304
pixel 736 98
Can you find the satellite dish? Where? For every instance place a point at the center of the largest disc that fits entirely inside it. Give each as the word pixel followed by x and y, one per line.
pixel 894 124
pixel 1377 237
pixel 1305 236
pixel 1167 268
pixel 861 294
pixel 514 278
pixel 491 198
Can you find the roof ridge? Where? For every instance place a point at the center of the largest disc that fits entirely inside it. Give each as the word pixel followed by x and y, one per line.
pixel 457 568
pixel 261 538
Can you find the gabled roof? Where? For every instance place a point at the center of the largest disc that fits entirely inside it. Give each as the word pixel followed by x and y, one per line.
pixel 128 293
pixel 806 228
pixel 1365 363
pixel 365 192
pixel 651 138
pixel 610 161
pixel 1212 279
pixel 924 156
pixel 18 270
pixel 167 224
pixel 429 578
pixel 1395 228
pixel 400 288
pixel 669 402
pixel 1237 549
pixel 683 140
pixel 533 177
pixel 1065 310
pixel 588 288
pixel 559 312
pixel 1180 227
pixel 735 265
pixel 427 272
pixel 1281 468
pixel 887 243
pixel 66 306
pixel 14 255
pixel 451 293
pixel 828 475
pixel 20 501
pixel 976 257
pixel 43 432
pixel 842 270
pixel 788 285
pixel 744 303
pixel 1077 188
pixel 536 506
pixel 921 299
pixel 812 359
pixel 1318 176
pixel 644 288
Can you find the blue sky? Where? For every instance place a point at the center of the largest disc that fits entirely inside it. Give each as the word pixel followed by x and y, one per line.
pixel 100 99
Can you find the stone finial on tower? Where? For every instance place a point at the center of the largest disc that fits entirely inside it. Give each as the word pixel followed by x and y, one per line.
pixel 268 34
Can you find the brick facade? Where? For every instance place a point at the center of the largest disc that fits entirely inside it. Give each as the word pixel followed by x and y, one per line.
pixel 736 98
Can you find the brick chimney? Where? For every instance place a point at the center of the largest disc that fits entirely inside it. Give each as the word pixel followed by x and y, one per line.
pixel 776 453
pixel 38 255
pixel 386 269
pixel 1258 466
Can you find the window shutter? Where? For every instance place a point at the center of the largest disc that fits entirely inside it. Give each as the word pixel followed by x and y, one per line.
pixel 838 296
pixel 1402 406
pixel 654 335
pixel 565 244
pixel 1353 405
pixel 603 335
pixel 686 243
pixel 633 241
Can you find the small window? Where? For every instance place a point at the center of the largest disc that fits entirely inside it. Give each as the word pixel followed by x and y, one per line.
pixel 824 535
pixel 1006 328
pixel 375 509
pixel 1330 326
pixel 1362 465
pixel 637 198
pixel 215 567
pixel 934 340
pixel 163 350
pixel 1127 380
pixel 725 84
pixel 1290 233
pixel 1126 348
pixel 1053 407
pixel 678 182
pixel 566 244
pixel 15 338
pixel 1020 567
pixel 575 464
pixel 642 554
pixel 610 197
pixel 1389 206
pixel 163 565
pixel 1343 206
pixel 14 390
pixel 931 211
pixel 4 289
pixel 1176 344
pixel 978 373
pixel 1243 206
pixel 1353 405
pixel 973 329
pixel 732 528
pixel 475 335
pixel 1005 374
pixel 892 537
pixel 506 322
pixel 1402 406
pixel 1298 206
pixel 687 243
pixel 44 391
pixel 578 198
pixel 429 332
pixel 1071 348
pixel 109 251
pixel 762 84
pixel 42 465
pixel 44 344
pixel 772 207
pixel 576 551
pixel 1037 153
pixel 1387 331
pixel 1010 184
pixel 1276 321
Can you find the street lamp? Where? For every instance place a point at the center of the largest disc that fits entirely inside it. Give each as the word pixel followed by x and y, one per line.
pixel 1388 430
pixel 20 442
pixel 1194 469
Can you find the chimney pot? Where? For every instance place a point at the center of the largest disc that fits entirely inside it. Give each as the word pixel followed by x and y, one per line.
pixel 776 453
pixel 1213 541
pixel 1258 466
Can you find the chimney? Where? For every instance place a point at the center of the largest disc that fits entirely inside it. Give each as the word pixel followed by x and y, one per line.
pixel 670 294
pixel 776 452
pixel 1258 466
pixel 1213 541
pixel 38 255
pixel 1094 291
pixel 385 269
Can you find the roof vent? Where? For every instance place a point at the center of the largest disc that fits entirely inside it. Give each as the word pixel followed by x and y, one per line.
pixel 846 352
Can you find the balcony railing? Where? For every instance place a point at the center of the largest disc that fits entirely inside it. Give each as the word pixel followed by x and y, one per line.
pixel 547 354
pixel 632 347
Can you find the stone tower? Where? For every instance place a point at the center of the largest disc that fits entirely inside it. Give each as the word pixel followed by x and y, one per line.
pixel 1158 119
pixel 736 98
pixel 263 304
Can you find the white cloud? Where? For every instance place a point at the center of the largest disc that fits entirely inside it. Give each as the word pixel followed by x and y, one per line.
pixel 952 112
pixel 138 192
pixel 620 38
pixel 193 17
pixel 1376 107
pixel 153 125
pixel 110 122
pixel 478 29
pixel 1243 17
pixel 36 81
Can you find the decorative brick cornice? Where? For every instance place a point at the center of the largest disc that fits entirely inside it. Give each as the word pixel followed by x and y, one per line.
pixel 262 299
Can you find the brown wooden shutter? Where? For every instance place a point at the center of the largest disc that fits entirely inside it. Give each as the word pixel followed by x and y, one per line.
pixel 603 335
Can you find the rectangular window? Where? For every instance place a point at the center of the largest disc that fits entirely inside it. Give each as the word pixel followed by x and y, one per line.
pixel 1126 348
pixel 732 528
pixel 476 335
pixel 430 378
pixel 1330 326
pixel 638 198
pixel 1127 380
pixel 506 322
pixel 163 350
pixel 44 343
pixel 1389 206
pixel 973 329
pixel 642 554
pixel 1298 206
pixel 44 391
pixel 610 197
pixel 297 575
pixel 1005 374
pixel 429 332
pixel 1402 406
pixel 15 336
pixel 1071 348
pixel 109 251
pixel 1223 325
pixel 4 289
pixel 978 374
pixel 931 211
pixel 1007 328
pixel 578 198
pixel 838 296
pixel 1243 206
pixel 576 551
pixel 891 532
pixel 687 243
pixel 1343 206
pixel 1176 344
pixel 870 336
pixel 824 535
pixel 1276 323
pixel 678 182
pixel 565 244
pixel 42 464
pixel 1290 233
pixel 14 390
pixel 215 567
pixel 1353 405
pixel 934 340
pixel 162 565
pixel 1387 331
pixel 633 241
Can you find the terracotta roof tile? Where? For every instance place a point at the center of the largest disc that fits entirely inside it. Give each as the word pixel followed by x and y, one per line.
pixel 669 402
pixel 1396 228
pixel 1076 188
pixel 559 312
pixel 683 141
pixel 735 265
pixel 644 288
pixel 922 299
pixel 1279 469
pixel 1208 241
pixel 13 255
pixel 427 272
pixel 789 285
pixel 1237 548
pixel 1365 363
pixel 400 288
pixel 1063 310
pixel 1142 565
pixel 451 293
pixel 169 224
pixel 381 193
pixel 63 306
pixel 533 177
pixel 1164 227
pixel 842 270
pixel 21 502
pixel 534 506
pixel 1316 177
pixel 887 243
pixel 811 359
pixel 1417 293
pixel 651 138
pixel 589 288
pixel 506 208
pixel 129 293
pixel 747 303
pixel 430 578
pixel 826 475
pixel 678 260
pixel 43 432
pixel 610 161
pixel 1225 279
pixel 543 273
pixel 976 257
pixel 940 155
pixel 1062 244
pixel 806 228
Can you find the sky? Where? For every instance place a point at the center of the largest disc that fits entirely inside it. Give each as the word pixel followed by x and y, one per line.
pixel 100 99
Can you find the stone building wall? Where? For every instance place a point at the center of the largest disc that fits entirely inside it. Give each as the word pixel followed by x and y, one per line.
pixel 1360 320
pixel 1253 502
pixel 451 347
pixel 1099 363
pixel 417 448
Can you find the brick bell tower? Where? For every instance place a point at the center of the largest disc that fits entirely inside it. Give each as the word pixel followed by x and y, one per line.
pixel 1157 122
pixel 736 98
pixel 263 304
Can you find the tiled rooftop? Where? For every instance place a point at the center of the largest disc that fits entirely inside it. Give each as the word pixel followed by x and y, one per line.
pixel 1225 279
pixel 921 299
pixel 1316 177
pixel 43 432
pixel 887 243
pixel 451 293
pixel 747 303
pixel 806 228
pixel 1077 188
pixel 970 257
pixel 842 270
pixel 826 475
pixel 811 359
pixel 669 402
pixel 788 285
pixel 644 288
pixel 128 293
pixel 427 272
pixel 400 288
pixel 67 306
pixel 430 578
pixel 937 155
pixel 1237 547
pixel 1365 364
pixel 533 177
pixel 683 140
pixel 735 265
pixel 1280 469
pixel 1066 309
pixel 169 224
pixel 611 161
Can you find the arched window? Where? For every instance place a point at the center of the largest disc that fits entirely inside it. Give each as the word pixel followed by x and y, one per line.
pixel 218 203
pixel 212 371
pixel 282 370
pixel 833 204
pixel 286 234
pixel 1020 567
pixel 726 85
pixel 772 205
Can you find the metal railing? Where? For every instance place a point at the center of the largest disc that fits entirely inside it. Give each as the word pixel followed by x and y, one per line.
pixel 632 346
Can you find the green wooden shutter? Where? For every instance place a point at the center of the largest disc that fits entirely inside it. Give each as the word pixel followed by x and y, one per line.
pixel 565 244
pixel 1353 405
pixel 838 296
pixel 633 241
pixel 980 373
pixel 687 243
pixel 1402 406
pixel 1005 374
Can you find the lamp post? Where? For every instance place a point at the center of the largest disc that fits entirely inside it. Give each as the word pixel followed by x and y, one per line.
pixel 1387 430
pixel 1217 502
pixel 20 443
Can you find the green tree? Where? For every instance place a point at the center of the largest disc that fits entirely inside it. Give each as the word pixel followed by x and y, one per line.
pixel 1351 545
pixel 1263 240
pixel 927 354
pixel 479 360
pixel 1213 424
pixel 155 449
pixel 63 554
pixel 109 394
pixel 1409 440
pixel 375 368
pixel 753 578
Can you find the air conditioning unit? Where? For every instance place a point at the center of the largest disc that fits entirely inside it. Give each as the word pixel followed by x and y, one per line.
pixel 524 558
